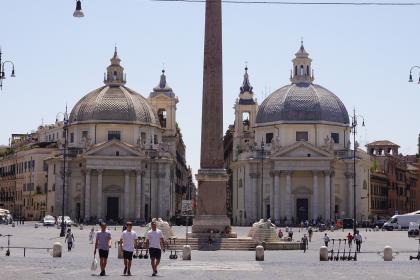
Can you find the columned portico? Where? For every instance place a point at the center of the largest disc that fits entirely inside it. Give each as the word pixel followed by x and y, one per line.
pixel 99 194
pixel 315 194
pixel 327 194
pixel 87 194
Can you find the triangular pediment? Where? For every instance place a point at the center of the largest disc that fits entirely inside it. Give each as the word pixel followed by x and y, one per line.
pixel 114 148
pixel 302 149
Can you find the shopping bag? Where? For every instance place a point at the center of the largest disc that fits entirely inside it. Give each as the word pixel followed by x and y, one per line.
pixel 94 264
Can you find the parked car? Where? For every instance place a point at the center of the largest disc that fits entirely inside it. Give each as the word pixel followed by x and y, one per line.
pixel 379 223
pixel 48 221
pixel 67 220
pixel 347 223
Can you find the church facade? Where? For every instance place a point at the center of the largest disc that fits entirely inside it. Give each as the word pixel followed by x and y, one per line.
pixel 291 155
pixel 123 153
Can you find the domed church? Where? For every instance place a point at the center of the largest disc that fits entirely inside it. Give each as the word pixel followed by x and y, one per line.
pixel 126 156
pixel 291 156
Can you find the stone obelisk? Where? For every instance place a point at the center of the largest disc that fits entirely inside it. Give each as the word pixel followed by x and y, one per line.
pixel 212 177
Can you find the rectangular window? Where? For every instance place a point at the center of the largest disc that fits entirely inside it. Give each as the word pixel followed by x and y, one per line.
pixel 84 134
pixel 71 137
pixel 114 135
pixel 143 137
pixel 301 136
pixel 335 137
pixel 155 139
pixel 268 138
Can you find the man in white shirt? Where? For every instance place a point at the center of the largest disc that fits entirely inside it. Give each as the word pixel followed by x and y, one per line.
pixel 155 244
pixel 128 242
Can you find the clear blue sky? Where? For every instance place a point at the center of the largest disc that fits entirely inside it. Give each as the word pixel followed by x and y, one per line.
pixel 362 54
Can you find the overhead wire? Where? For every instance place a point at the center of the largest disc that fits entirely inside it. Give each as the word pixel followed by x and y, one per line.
pixel 301 3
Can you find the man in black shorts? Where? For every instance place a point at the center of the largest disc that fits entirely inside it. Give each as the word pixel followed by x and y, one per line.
pixel 128 242
pixel 155 244
pixel 103 242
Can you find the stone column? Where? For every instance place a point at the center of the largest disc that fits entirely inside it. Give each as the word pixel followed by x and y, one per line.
pixel 271 200
pixel 315 194
pixel 289 195
pixel 87 195
pixel 100 194
pixel 277 196
pixel 138 204
pixel 327 202
pixel 349 176
pixel 248 193
pixel 332 195
pixel 126 193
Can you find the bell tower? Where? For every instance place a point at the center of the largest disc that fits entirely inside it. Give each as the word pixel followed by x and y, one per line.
pixel 245 113
pixel 164 101
pixel 302 71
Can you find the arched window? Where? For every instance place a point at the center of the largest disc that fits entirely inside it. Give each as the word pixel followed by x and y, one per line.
pixel 302 70
pixel 114 77
pixel 245 120
pixel 162 117
pixel 307 70
pixel 296 70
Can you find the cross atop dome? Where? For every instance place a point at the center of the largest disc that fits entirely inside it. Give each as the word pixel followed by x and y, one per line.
pixel 302 72
pixel 115 72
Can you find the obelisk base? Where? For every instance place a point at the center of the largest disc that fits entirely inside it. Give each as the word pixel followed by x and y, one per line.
pixel 211 204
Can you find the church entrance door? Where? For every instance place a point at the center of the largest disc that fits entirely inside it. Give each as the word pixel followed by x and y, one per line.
pixel 112 208
pixel 302 209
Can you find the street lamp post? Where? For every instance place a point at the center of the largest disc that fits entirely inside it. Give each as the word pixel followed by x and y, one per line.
pixel 65 122
pixel 410 79
pixel 353 127
pixel 2 71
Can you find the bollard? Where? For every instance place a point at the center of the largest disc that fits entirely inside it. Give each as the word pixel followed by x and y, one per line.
pixel 81 227
pixel 186 253
pixel 57 248
pixel 259 253
pixel 36 225
pixel 323 253
pixel 388 256
pixel 13 224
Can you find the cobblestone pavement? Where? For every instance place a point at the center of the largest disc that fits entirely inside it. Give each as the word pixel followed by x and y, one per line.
pixel 39 264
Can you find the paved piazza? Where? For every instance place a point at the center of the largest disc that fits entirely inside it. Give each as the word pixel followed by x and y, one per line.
pixel 206 265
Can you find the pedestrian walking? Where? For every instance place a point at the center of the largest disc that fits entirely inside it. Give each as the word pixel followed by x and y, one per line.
pixel 92 234
pixel 155 245
pixel 128 242
pixel 310 233
pixel 349 239
pixel 103 243
pixel 69 239
pixel 358 238
pixel 304 243
pixel 326 240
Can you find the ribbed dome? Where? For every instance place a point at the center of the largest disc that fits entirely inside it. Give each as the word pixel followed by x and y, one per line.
pixel 113 104
pixel 302 102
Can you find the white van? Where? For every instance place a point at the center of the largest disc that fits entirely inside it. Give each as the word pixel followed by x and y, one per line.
pixel 401 221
